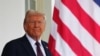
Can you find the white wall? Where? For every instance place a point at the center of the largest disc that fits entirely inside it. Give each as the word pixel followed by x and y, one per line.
pixel 48 10
pixel 11 20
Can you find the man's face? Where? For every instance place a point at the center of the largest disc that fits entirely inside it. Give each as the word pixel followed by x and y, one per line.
pixel 35 26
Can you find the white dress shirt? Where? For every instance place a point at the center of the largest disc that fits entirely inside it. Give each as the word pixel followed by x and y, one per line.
pixel 32 42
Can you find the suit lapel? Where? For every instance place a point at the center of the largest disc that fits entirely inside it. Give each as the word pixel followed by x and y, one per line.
pixel 46 48
pixel 28 46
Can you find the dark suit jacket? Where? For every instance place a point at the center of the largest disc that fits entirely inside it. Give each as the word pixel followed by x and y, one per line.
pixel 22 47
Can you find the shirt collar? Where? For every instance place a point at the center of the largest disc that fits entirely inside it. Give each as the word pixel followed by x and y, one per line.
pixel 32 41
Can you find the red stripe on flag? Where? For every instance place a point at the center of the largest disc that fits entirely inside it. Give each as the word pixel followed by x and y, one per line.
pixel 51 46
pixel 68 37
pixel 91 26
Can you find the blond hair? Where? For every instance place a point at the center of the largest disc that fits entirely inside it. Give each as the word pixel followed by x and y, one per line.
pixel 33 13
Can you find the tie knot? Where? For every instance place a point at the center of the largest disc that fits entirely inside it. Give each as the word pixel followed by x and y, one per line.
pixel 37 43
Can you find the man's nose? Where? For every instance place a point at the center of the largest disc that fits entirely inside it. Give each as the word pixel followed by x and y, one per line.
pixel 37 24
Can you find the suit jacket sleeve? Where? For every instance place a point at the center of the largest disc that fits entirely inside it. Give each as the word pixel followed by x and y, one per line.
pixel 9 49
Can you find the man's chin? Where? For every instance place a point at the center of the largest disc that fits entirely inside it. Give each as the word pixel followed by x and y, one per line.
pixel 37 35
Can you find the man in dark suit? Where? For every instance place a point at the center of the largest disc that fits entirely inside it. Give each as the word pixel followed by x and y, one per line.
pixel 30 44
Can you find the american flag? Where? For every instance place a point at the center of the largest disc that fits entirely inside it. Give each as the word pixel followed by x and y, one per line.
pixel 75 29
